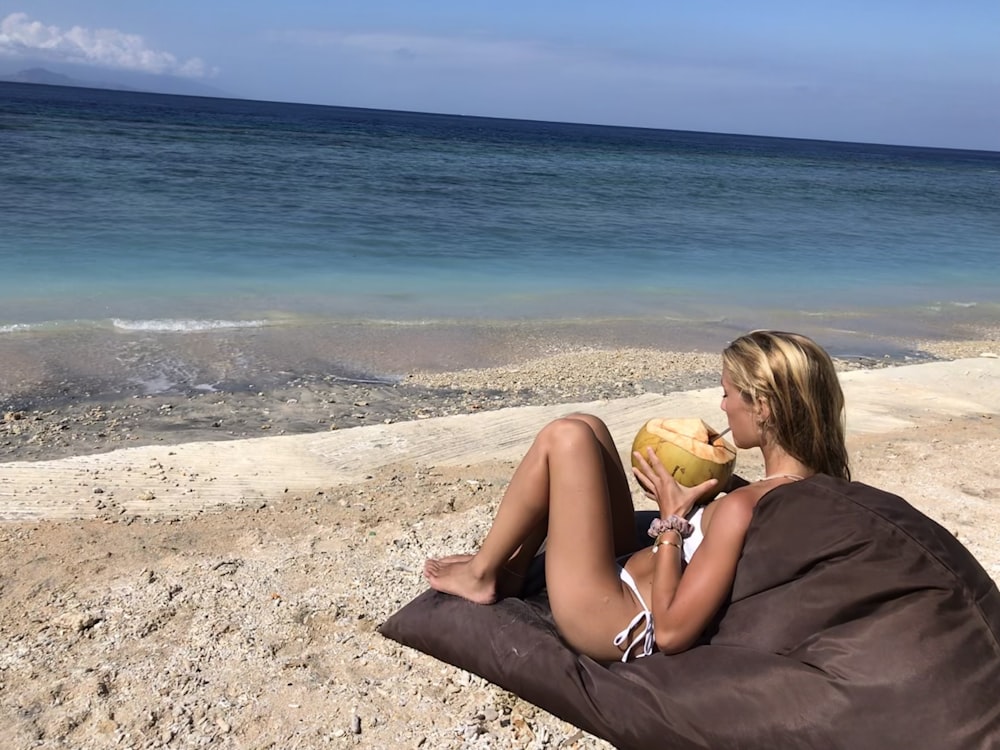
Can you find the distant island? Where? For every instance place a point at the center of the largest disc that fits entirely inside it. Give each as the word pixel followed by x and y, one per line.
pixel 48 78
pixel 136 82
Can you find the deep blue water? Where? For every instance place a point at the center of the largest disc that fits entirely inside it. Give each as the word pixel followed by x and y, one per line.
pixel 144 215
pixel 140 207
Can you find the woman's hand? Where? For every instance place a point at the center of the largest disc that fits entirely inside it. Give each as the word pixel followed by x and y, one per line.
pixel 661 487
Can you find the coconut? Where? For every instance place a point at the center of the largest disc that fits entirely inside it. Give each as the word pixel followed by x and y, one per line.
pixel 689 449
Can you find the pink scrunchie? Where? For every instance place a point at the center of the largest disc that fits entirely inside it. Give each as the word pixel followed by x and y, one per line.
pixel 671 523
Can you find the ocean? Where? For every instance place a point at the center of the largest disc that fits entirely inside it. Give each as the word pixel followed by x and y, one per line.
pixel 160 242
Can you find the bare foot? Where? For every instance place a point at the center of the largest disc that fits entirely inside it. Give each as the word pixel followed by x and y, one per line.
pixel 454 575
pixel 451 559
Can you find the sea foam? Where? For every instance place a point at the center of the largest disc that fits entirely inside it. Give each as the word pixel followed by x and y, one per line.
pixel 170 325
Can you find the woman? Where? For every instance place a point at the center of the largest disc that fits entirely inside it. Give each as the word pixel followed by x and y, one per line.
pixel 609 599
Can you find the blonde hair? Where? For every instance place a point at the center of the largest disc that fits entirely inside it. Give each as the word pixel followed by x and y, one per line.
pixel 796 379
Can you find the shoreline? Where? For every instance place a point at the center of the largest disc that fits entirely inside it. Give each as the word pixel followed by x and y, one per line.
pixel 45 418
pixel 110 363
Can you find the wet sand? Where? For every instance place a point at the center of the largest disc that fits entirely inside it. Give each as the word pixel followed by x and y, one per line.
pixel 83 391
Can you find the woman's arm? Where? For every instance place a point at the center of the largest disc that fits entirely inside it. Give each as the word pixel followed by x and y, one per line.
pixel 683 606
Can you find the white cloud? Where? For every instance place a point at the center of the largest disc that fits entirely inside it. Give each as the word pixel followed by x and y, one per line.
pixel 22 37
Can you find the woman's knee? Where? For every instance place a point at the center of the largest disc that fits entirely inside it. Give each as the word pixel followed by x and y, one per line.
pixel 596 423
pixel 567 432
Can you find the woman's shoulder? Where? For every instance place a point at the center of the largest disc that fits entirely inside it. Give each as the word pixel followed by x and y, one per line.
pixel 736 507
pixel 749 494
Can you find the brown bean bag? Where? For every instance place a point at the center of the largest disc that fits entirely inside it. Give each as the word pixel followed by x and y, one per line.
pixel 854 622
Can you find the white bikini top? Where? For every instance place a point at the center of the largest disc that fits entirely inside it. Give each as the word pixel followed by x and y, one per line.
pixel 692 542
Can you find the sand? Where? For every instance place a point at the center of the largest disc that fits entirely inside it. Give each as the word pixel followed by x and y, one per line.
pixel 188 592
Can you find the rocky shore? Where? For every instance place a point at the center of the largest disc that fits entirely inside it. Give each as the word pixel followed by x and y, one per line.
pixel 312 405
pixel 56 428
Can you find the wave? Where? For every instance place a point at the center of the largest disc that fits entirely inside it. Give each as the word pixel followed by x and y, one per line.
pixel 943 306
pixel 18 327
pixel 164 325
pixel 171 325
pixel 46 326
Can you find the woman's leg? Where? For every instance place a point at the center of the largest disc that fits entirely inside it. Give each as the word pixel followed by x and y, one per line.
pixel 510 581
pixel 572 481
pixel 619 492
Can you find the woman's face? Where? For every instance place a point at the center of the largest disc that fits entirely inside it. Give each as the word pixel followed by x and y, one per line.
pixel 741 416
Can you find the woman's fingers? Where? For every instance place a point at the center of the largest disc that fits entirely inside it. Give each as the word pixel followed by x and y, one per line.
pixel 639 463
pixel 650 463
pixel 652 467
pixel 645 483
pixel 660 486
pixel 704 490
pixel 654 479
pixel 643 475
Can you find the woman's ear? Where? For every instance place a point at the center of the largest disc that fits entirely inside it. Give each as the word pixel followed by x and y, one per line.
pixel 763 413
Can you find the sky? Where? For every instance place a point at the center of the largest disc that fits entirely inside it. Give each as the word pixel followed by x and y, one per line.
pixel 909 72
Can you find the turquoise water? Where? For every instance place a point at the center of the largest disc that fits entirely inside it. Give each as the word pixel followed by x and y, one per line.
pixel 148 213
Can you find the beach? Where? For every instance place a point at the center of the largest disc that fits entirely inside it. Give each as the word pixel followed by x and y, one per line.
pixel 210 569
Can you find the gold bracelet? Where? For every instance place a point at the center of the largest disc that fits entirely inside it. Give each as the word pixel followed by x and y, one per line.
pixel 659 541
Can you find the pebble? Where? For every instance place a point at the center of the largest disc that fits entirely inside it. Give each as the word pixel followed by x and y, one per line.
pixel 76 426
